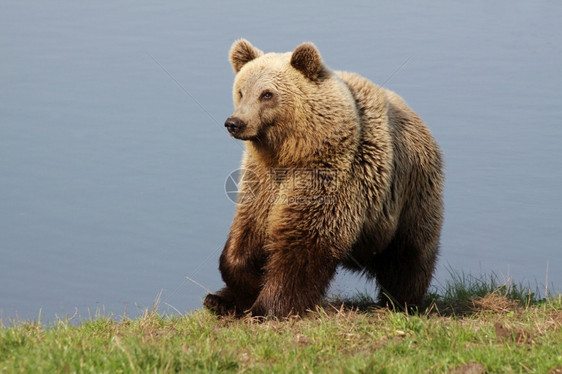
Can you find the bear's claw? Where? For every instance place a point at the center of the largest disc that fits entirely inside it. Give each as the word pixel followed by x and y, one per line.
pixel 219 305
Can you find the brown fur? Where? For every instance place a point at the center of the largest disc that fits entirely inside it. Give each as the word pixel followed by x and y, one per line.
pixel 385 219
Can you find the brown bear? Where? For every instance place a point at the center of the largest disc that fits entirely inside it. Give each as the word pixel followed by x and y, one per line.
pixel 340 172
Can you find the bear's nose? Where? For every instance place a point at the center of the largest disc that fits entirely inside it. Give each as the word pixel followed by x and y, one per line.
pixel 234 125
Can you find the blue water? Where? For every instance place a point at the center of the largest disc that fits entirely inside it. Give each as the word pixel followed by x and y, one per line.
pixel 113 156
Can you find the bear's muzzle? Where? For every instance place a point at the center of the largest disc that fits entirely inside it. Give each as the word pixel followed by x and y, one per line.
pixel 235 126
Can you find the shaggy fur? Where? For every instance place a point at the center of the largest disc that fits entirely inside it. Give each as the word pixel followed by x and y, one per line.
pixel 313 133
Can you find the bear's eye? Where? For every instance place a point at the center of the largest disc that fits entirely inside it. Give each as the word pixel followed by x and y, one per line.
pixel 240 93
pixel 266 95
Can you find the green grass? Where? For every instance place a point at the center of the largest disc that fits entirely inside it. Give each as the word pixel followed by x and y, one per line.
pixel 476 325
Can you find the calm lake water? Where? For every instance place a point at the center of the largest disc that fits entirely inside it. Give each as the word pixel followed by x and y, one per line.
pixel 113 156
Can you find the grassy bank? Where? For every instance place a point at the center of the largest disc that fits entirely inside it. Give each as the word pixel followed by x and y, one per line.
pixel 472 325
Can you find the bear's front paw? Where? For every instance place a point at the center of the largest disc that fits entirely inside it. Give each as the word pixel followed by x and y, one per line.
pixel 262 308
pixel 219 305
pixel 278 308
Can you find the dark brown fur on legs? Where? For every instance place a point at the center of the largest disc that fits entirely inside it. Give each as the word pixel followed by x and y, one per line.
pixel 243 280
pixel 297 277
pixel 403 274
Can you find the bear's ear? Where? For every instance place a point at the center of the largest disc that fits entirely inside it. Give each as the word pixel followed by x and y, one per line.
pixel 241 53
pixel 307 60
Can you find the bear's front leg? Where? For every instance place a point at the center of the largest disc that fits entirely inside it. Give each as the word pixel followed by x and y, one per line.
pixel 240 264
pixel 297 276
pixel 306 240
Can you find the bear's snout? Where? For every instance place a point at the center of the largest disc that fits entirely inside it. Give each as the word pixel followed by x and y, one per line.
pixel 234 125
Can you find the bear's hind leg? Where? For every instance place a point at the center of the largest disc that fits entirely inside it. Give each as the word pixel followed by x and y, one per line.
pixel 404 271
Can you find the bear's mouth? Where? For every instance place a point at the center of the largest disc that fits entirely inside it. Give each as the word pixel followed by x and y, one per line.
pixel 261 136
pixel 248 138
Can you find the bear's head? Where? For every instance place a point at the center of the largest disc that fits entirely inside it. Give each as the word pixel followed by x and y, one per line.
pixel 289 107
pixel 270 89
